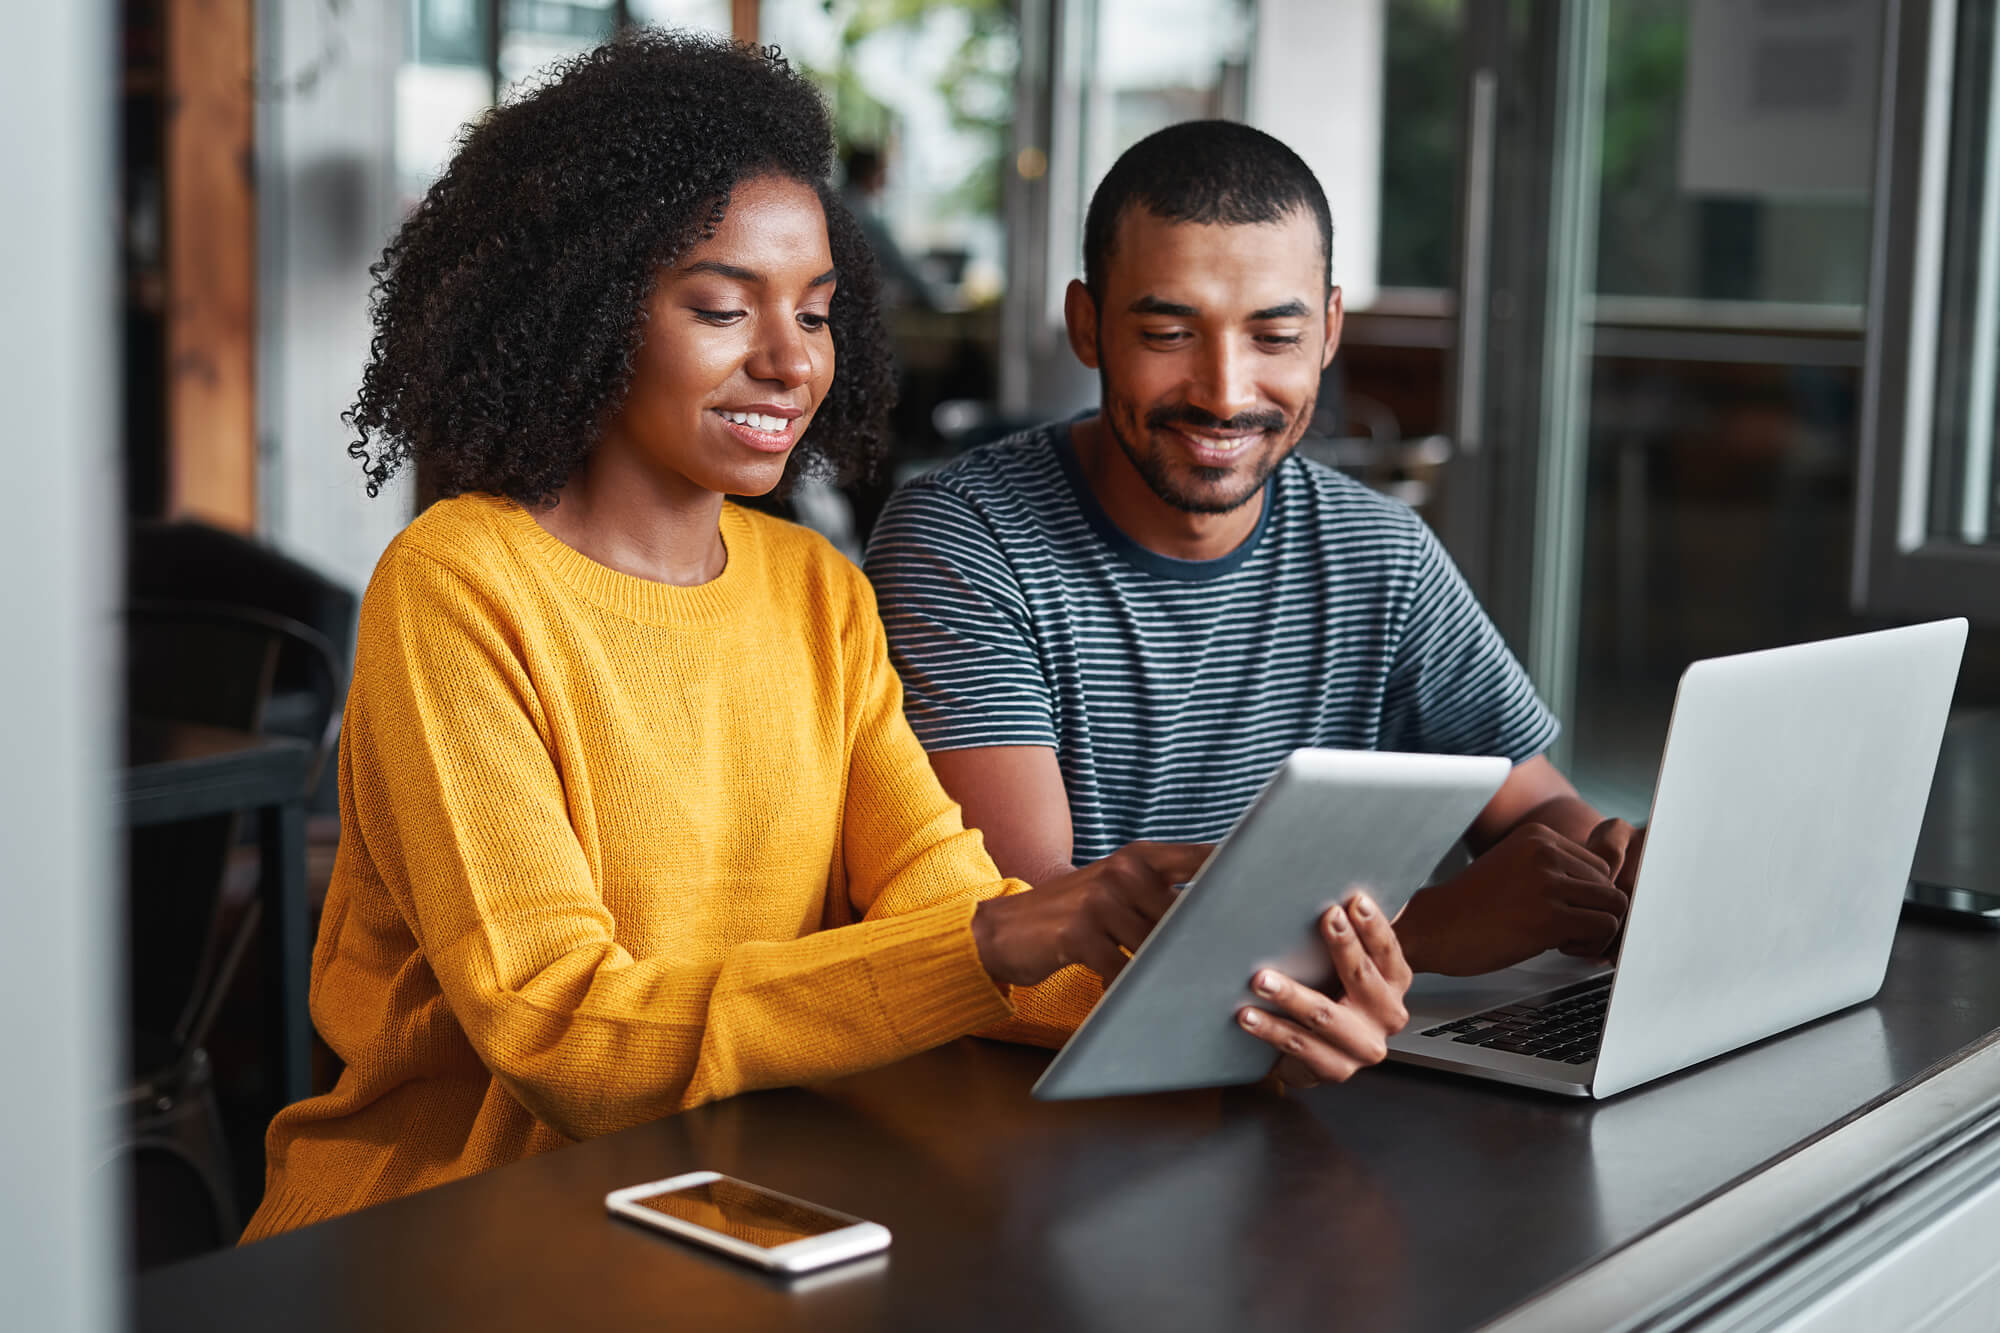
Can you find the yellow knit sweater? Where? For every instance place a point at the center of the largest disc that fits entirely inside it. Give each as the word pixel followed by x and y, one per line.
pixel 612 848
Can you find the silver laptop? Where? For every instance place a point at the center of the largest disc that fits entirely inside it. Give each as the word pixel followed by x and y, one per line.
pixel 1784 822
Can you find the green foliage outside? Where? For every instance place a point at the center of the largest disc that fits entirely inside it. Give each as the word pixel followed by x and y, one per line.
pixel 977 84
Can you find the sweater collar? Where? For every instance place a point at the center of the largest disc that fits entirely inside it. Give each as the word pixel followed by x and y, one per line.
pixel 628 595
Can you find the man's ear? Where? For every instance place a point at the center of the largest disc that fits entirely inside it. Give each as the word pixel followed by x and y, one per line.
pixel 1334 315
pixel 1080 315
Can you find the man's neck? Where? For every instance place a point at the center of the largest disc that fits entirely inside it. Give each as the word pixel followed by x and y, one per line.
pixel 1136 510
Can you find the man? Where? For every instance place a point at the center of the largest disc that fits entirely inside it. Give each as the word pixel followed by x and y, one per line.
pixel 903 284
pixel 1117 627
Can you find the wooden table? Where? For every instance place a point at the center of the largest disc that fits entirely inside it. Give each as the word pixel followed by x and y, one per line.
pixel 1405 1200
pixel 177 770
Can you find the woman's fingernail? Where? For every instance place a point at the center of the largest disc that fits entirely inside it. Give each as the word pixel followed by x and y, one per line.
pixel 1336 920
pixel 1364 906
pixel 1266 983
pixel 1249 1019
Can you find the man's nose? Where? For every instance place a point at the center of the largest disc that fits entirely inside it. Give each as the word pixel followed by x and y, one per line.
pixel 1222 385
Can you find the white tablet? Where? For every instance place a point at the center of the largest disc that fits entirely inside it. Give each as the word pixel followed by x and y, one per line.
pixel 1328 822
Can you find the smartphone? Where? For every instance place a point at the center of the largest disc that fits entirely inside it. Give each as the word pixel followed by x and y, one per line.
pixel 763 1227
pixel 1971 907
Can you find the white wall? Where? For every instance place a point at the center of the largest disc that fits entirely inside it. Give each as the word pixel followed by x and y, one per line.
pixel 327 205
pixel 1316 83
pixel 58 378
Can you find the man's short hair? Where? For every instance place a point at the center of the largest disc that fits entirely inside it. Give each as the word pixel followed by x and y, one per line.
pixel 1206 171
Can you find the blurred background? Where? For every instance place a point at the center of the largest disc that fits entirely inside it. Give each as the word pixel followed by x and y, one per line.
pixel 1677 319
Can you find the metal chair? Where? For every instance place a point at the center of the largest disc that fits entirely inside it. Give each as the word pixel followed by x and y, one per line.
pixel 183 561
pixel 213 665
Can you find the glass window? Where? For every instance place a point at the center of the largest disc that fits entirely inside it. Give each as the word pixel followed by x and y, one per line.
pixel 1737 150
pixel 1930 521
pixel 455 65
pixel 701 15
pixel 922 98
pixel 444 84
pixel 1736 153
pixel 537 33
pixel 1154 63
pixel 1420 148
pixel 1963 499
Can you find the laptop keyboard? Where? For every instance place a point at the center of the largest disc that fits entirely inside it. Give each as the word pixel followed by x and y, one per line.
pixel 1565 1027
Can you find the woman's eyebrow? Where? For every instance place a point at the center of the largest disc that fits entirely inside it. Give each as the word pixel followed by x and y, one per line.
pixel 740 274
pixel 723 270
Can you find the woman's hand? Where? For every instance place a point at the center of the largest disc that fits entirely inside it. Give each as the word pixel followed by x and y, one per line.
pixel 1322 1039
pixel 1093 915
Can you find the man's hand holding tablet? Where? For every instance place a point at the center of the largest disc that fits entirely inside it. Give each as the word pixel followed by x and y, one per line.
pixel 1283 941
pixel 1098 914
pixel 1324 1039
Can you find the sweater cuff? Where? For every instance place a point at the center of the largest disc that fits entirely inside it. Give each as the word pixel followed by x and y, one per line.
pixel 929 980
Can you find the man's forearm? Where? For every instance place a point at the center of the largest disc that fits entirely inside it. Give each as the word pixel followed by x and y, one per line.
pixel 1569 815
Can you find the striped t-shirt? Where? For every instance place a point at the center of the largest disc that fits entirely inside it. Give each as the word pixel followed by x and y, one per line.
pixel 1018 614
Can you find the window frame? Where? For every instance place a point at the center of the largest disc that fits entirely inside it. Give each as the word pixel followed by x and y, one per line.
pixel 1900 568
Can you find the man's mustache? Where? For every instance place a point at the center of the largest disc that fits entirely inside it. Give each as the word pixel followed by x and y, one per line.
pixel 1159 418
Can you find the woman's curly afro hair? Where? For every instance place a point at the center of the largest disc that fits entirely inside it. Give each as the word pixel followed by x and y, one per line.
pixel 509 307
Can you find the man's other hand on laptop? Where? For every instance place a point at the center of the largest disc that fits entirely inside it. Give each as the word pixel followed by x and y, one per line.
pixel 1533 890
pixel 1325 1039
pixel 1619 846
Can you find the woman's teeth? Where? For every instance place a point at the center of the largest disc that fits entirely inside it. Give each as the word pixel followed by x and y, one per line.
pixel 758 421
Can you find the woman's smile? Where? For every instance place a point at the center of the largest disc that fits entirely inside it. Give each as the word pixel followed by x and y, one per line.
pixel 766 427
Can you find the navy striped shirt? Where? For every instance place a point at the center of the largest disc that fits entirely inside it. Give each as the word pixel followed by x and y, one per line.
pixel 1018 614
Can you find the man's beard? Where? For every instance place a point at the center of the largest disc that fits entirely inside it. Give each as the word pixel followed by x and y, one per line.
pixel 1159 478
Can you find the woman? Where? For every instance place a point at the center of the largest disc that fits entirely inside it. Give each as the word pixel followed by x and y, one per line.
pixel 631 819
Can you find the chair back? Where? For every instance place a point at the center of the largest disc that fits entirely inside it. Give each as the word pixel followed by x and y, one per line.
pixel 212 665
pixel 188 562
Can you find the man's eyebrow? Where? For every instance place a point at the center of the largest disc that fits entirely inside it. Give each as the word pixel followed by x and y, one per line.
pixel 740 274
pixel 1292 309
pixel 1153 305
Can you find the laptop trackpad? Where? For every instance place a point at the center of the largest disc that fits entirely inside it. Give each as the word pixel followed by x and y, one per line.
pixel 1434 999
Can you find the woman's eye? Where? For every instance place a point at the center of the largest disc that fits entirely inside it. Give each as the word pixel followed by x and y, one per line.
pixel 717 316
pixel 813 321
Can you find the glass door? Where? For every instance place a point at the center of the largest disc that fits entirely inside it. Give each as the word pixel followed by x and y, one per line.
pixel 1669 227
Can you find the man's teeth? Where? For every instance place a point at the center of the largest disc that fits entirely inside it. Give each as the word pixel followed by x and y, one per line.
pixel 758 421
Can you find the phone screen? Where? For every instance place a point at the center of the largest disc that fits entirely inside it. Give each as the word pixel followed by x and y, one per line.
pixel 745 1212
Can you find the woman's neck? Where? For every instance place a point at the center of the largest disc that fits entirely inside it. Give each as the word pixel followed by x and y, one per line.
pixel 638 522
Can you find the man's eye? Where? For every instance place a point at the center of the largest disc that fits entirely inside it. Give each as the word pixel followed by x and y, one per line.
pixel 1281 339
pixel 1164 337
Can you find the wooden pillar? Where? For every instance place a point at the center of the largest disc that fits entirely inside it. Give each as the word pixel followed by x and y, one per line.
pixel 211 263
pixel 743 19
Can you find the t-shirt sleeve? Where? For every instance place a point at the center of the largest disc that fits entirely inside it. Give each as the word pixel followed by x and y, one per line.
pixel 960 631
pixel 1454 688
